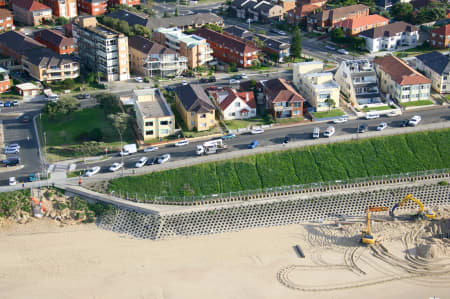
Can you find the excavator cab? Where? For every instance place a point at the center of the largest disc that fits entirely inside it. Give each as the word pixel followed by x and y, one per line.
pixel 367 237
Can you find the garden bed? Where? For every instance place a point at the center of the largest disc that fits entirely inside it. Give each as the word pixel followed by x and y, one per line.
pixel 417 103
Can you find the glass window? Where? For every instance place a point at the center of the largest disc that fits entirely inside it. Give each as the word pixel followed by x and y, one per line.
pixel 149 132
pixel 148 123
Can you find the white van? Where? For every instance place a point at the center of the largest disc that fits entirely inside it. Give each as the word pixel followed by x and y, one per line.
pixel 329 132
pixel 316 133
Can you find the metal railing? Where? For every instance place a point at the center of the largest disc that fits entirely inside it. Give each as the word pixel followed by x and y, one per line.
pixel 282 190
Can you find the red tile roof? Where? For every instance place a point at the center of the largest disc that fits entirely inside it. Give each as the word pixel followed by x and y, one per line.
pixel 233 95
pixel 361 22
pixel 244 111
pixel 227 41
pixel 30 5
pixel 306 9
pixel 278 90
pixel 443 30
pixel 399 71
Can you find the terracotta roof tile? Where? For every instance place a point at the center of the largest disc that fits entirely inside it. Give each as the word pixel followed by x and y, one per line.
pixel 54 37
pixel 226 40
pixel 399 71
pixel 362 21
pixel 278 90
pixel 30 5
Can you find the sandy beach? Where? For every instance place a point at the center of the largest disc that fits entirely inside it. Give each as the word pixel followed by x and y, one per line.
pixel 43 260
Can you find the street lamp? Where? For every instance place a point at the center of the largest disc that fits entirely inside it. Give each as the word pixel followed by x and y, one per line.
pixel 45 154
pixel 121 151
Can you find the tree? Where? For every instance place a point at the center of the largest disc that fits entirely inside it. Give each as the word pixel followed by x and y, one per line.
pixel 402 11
pixel 337 35
pixel 258 42
pixel 166 15
pixel 109 103
pixel 331 103
pixel 214 27
pixel 176 12
pixel 430 13
pixel 69 84
pixel 119 121
pixel 124 27
pixel 296 46
pixel 61 21
pixel 357 42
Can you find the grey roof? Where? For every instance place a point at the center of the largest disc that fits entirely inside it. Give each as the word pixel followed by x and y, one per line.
pixel 130 17
pixel 238 32
pixel 147 46
pixel 46 58
pixel 194 98
pixel 157 108
pixel 437 61
pixel 18 42
pixel 389 30
pixel 272 43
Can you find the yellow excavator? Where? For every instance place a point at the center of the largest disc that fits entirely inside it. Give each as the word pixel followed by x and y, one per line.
pixel 367 237
pixel 423 213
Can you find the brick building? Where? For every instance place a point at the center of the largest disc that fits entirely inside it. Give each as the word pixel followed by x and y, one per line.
pixel 282 100
pixel 55 41
pixel 63 8
pixel 354 26
pixel 92 7
pixel 440 37
pixel 6 20
pixel 327 18
pixel 31 12
pixel 14 44
pixel 112 3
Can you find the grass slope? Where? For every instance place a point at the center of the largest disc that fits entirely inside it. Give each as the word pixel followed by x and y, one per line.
pixel 322 163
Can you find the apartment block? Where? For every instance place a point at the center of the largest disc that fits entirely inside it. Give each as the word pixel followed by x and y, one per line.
pixel 6 20
pixel 401 82
pixel 93 7
pixel 282 100
pixel 150 59
pixel 14 44
pixel 194 47
pixel 435 66
pixel 329 17
pixel 44 65
pixel 5 81
pixel 102 49
pixel 63 8
pixel 230 49
pixel 154 117
pixel 354 26
pixel 316 86
pixel 31 12
pixel 359 83
pixel 440 37
pixel 391 37
pixel 113 3
pixel 55 41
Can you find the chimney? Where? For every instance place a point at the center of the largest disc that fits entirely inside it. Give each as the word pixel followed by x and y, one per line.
pixel 246 97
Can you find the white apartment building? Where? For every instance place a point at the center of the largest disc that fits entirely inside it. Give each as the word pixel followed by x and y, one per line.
pixel 435 66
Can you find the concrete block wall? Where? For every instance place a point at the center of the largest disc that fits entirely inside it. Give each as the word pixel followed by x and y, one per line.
pixel 263 213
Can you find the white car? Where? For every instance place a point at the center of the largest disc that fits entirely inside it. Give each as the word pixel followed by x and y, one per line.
pixel 182 143
pixel 394 113
pixel 13 145
pixel 329 132
pixel 244 76
pixel 415 120
pixel 330 48
pixel 139 80
pixel 150 149
pixel 382 126
pixel 281 33
pixel 372 115
pixel 257 131
pixel 184 83
pixel 163 159
pixel 92 171
pixel 340 120
pixel 11 151
pixel 234 81
pixel 141 162
pixel 12 181
pixel 342 51
pixel 116 166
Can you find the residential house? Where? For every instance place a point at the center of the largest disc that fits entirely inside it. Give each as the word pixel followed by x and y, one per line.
pixel 6 20
pixel 238 32
pixel 92 7
pixel 390 37
pixel 154 117
pixel 182 22
pixel 299 14
pixel 316 86
pixel 230 49
pixel 233 104
pixel 400 81
pixel 287 5
pixel 195 107
pixel 195 48
pixel 385 4
pixel 102 49
pixel 55 41
pixel 5 81
pixel 261 11
pixel 31 12
pixel 113 3
pixel 354 26
pixel 359 83
pixel 435 66
pixel 329 17
pixel 45 65
pixel 150 59
pixel 282 100
pixel 63 8
pixel 28 89
pixel 418 4
pixel 14 44
pixel 440 37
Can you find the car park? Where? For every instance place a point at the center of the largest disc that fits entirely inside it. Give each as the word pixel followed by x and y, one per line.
pixel 31 177
pixel 316 133
pixel 181 143
pixel 329 131
pixel 415 120
pixel 362 128
pixel 372 115
pixel 152 161
pixel 11 161
pixel 229 136
pixel 7 104
pixel 92 171
pixel 15 103
pixel 257 131
pixel 12 181
pixel 139 80
pixel 382 126
pixel 150 149
pixel 340 120
pixel 234 81
pixel 141 162
pixel 163 159
pixel 253 144
pixel 342 51
pixel 286 139
pixel 116 166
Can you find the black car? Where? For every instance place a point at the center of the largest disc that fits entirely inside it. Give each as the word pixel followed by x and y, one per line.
pixel 151 161
pixel 404 123
pixel 212 79
pixel 11 161
pixel 286 139
pixel 362 128
pixel 83 96
pixel 169 88
pixel 204 80
pixel 25 119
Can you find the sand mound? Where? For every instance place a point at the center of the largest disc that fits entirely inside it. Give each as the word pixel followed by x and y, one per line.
pixel 429 251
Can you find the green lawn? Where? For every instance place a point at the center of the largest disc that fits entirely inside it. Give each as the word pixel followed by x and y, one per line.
pixel 322 163
pixel 326 114
pixel 379 108
pixel 290 120
pixel 417 103
pixel 241 123
pixel 422 49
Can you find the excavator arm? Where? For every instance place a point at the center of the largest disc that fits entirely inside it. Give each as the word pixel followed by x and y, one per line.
pixel 367 237
pixel 428 213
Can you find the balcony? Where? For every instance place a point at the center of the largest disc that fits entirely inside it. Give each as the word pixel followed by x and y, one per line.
pixel 282 108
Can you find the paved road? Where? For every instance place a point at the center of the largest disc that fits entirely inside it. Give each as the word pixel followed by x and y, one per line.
pixel 275 136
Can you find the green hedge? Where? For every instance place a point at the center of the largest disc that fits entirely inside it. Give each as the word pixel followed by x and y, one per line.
pixel 322 163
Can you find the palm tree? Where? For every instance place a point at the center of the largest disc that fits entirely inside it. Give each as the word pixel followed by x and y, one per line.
pixel 331 103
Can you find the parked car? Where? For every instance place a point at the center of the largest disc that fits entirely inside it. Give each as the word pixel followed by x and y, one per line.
pixel 330 48
pixel 11 161
pixel 404 123
pixel 169 88
pixel 281 33
pixel 141 162
pixel 15 103
pixel 234 81
pixel 139 80
pixel 244 76
pixel 150 149
pixel 94 170
pixel 203 80
pixel 83 96
pixel 229 136
pixel 184 83
pixel 182 143
pixel 13 145
pixel 253 144
pixel 31 177
pixel 7 104
pixel 329 131
pixel 340 120
pixel 163 159
pixel 257 131
pixel 237 77
pixel 382 126
pixel 1 104
pixel 25 119
pixel 151 161
pixel 286 139
pixel 372 115
pixel 316 133
pixel 415 120
pixel 116 166
pixel 11 151
pixel 12 181
pixel 362 128
pixel 342 51
pixel 212 79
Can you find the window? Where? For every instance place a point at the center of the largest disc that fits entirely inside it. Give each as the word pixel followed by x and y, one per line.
pixel 164 122
pixel 149 132
pixel 164 132
pixel 148 123
pixel 237 104
pixel 232 114
pixel 203 116
pixel 192 123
